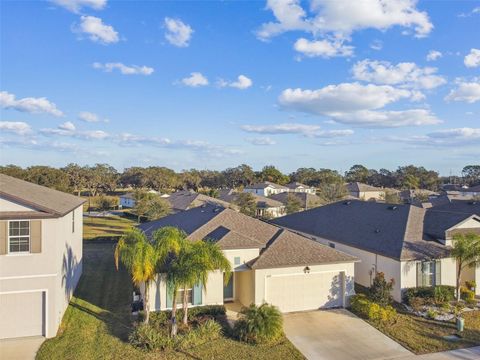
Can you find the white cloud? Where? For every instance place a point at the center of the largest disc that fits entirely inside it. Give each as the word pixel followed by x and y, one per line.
pixel 475 10
pixel 466 91
pixel 68 129
pixel 472 59
pixel 322 48
pixel 195 79
pixel 261 141
pixel 406 74
pixel 90 117
pixel 69 126
pixel 343 18
pixel 295 128
pixel 178 33
pixel 124 69
pixel 29 104
pixel 16 127
pixel 356 104
pixel 434 55
pixel 376 45
pixel 96 30
pixel 241 83
pixel 76 5
pixel 446 137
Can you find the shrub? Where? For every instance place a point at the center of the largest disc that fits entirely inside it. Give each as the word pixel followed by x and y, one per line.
pixel 259 324
pixel 148 337
pixel 163 317
pixel 364 307
pixel 380 291
pixel 431 314
pixel 439 294
pixel 417 303
pixel 467 294
pixel 208 331
pixel 472 285
pixel 443 294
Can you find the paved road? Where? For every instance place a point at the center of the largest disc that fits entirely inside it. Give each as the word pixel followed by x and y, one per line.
pixel 20 349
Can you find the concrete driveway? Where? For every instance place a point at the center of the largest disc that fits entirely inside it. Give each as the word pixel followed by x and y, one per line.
pixel 20 349
pixel 339 335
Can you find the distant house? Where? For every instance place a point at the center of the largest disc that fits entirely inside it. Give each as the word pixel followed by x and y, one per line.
pixel 307 200
pixel 186 199
pixel 40 257
pixel 409 244
pixel 269 264
pixel 365 192
pixel 416 195
pixel 297 187
pixel 128 200
pixel 473 191
pixel 265 188
pixel 266 207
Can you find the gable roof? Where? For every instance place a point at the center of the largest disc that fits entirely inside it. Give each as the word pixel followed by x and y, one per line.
pixel 295 184
pixel 401 232
pixel 361 187
pixel 306 199
pixel 233 230
pixel 230 196
pixel 42 200
pixel 265 184
pixel 183 200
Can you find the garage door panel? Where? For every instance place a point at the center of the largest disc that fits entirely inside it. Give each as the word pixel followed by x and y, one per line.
pixel 300 292
pixel 22 314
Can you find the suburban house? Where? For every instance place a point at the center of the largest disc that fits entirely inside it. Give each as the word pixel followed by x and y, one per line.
pixel 270 264
pixel 40 256
pixel 416 195
pixel 266 207
pixel 265 188
pixel 297 187
pixel 365 192
pixel 187 199
pixel 407 243
pixel 307 200
pixel 128 200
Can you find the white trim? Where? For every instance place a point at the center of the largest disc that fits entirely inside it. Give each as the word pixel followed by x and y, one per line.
pixel 45 304
pixel 18 236
pixel 27 276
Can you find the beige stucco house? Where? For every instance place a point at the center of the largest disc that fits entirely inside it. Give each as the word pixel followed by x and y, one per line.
pixel 409 244
pixel 270 264
pixel 267 207
pixel 365 192
pixel 40 257
pixel 265 188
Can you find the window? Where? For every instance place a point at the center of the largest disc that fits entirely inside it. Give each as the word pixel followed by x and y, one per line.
pixel 189 296
pixel 73 221
pixel 428 273
pixel 19 236
pixel 236 260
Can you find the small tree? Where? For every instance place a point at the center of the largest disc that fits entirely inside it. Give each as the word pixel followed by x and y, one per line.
pixel 380 291
pixel 259 324
pixel 293 204
pixel 466 250
pixel 151 206
pixel 247 204
pixel 329 193
pixel 392 197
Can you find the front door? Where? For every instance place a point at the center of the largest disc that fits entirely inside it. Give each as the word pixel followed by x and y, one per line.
pixel 228 289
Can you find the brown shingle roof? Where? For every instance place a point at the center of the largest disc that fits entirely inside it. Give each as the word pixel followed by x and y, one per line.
pixel 265 184
pixel 40 198
pixel 183 200
pixel 231 196
pixel 361 187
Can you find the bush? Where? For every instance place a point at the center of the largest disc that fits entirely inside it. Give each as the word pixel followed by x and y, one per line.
pixel 472 285
pixel 417 303
pixel 443 294
pixel 467 294
pixel 380 291
pixel 208 331
pixel 163 317
pixel 438 294
pixel 366 308
pixel 148 337
pixel 431 314
pixel 259 324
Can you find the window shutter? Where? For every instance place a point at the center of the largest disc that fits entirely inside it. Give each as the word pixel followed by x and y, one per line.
pixel 36 236
pixel 197 294
pixel 3 237
pixel 169 291
pixel 438 272
pixel 419 274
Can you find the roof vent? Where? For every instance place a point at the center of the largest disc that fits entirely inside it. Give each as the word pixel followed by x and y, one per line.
pixel 347 203
pixel 393 207
pixel 203 205
pixel 377 231
pixel 473 202
pixel 216 209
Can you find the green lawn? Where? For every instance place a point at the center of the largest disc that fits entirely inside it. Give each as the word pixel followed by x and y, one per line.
pixel 97 322
pixel 101 227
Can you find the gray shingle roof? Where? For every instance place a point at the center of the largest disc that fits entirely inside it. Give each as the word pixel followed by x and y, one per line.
pixel 41 199
pixel 361 187
pixel 183 200
pixel 306 199
pixel 233 230
pixel 265 184
pixel 230 196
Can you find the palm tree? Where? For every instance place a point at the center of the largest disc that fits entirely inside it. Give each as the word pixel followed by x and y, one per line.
pixel 466 250
pixel 194 264
pixel 140 259
pixel 259 324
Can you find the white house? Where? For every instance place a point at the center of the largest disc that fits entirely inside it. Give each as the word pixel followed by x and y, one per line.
pixel 265 188
pixel 267 207
pixel 40 257
pixel 128 200
pixel 407 243
pixel 269 264
pixel 297 187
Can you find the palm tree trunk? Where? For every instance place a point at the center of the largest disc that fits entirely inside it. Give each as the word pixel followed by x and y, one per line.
pixel 146 303
pixel 185 306
pixel 459 274
pixel 174 313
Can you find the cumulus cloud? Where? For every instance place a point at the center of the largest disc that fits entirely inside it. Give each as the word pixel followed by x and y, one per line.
pixel 406 74
pixel 295 128
pixel 323 48
pixel 29 104
pixel 96 30
pixel 88 116
pixel 261 141
pixel 69 129
pixel 376 45
pixel 343 18
pixel 124 69
pixel 178 33
pixel 69 126
pixel 241 83
pixel 472 59
pixel 434 55
pixel 16 127
pixel 195 79
pixel 76 5
pixel 465 91
pixel 357 104
pixel 446 137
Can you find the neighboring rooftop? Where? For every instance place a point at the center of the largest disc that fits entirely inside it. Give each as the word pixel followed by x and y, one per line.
pixel 307 200
pixel 42 200
pixel 233 230
pixel 265 184
pixel 184 200
pixel 230 196
pixel 295 185
pixel 361 187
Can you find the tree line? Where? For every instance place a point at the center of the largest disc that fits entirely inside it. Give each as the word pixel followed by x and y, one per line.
pixel 103 178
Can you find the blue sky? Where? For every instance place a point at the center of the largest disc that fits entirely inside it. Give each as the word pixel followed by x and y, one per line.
pixel 216 84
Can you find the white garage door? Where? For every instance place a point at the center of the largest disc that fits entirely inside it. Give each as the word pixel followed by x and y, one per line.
pixel 22 314
pixel 299 292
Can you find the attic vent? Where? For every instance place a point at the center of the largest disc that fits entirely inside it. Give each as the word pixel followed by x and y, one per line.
pixel 393 207
pixel 347 203
pixel 203 205
pixel 377 231
pixel 216 209
pixel 473 202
